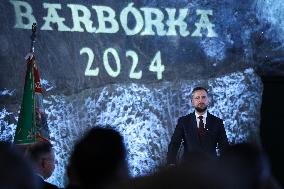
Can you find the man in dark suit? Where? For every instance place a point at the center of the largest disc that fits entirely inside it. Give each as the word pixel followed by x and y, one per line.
pixel 199 132
pixel 42 155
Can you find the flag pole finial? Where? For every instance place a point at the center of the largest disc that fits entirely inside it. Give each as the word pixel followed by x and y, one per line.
pixel 33 37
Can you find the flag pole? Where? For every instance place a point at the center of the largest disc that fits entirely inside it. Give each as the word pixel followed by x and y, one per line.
pixel 33 38
pixel 25 131
pixel 41 127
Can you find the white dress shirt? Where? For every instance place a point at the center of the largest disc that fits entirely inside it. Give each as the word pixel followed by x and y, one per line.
pixel 197 119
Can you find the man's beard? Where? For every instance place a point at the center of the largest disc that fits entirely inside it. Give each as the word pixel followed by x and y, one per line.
pixel 201 110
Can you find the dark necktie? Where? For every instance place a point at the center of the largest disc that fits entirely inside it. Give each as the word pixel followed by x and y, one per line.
pixel 201 129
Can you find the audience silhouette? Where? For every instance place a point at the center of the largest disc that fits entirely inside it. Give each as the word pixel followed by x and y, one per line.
pixel 250 166
pixel 15 171
pixel 98 160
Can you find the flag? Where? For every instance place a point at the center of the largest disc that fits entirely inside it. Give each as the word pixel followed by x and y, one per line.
pixel 25 130
pixel 32 123
pixel 42 132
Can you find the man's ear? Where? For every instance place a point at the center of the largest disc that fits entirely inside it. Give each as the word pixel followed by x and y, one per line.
pixel 209 100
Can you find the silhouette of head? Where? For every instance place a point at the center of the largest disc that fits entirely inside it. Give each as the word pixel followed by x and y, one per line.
pixel 99 157
pixel 16 172
pixel 249 164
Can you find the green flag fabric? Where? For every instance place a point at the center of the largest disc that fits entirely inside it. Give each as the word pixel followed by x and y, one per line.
pixel 25 131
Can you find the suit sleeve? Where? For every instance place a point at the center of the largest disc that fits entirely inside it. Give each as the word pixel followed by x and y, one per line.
pixel 222 140
pixel 175 143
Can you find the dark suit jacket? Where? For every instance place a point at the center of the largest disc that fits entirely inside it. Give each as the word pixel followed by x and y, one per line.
pixel 187 131
pixel 46 185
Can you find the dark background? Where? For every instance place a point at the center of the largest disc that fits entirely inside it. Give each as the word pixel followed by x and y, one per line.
pixel 272 120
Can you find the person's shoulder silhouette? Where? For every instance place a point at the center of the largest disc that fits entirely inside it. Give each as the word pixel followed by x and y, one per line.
pixel 16 171
pixel 99 158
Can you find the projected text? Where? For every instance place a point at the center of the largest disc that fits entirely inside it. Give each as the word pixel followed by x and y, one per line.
pixel 154 66
pixel 145 21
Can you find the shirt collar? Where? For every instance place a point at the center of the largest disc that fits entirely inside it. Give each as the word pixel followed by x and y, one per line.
pixel 40 176
pixel 204 115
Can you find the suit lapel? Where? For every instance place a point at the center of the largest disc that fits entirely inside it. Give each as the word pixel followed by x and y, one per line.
pixel 193 130
pixel 208 121
pixel 207 127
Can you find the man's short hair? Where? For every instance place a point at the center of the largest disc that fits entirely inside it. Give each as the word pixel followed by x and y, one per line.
pixel 38 149
pixel 199 88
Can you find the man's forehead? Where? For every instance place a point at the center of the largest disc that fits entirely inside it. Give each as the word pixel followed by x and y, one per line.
pixel 200 93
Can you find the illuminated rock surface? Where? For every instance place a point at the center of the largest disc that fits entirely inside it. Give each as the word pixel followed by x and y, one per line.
pixel 146 116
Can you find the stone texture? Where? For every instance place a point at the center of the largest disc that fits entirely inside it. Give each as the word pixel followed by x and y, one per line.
pixel 145 115
pixel 250 34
